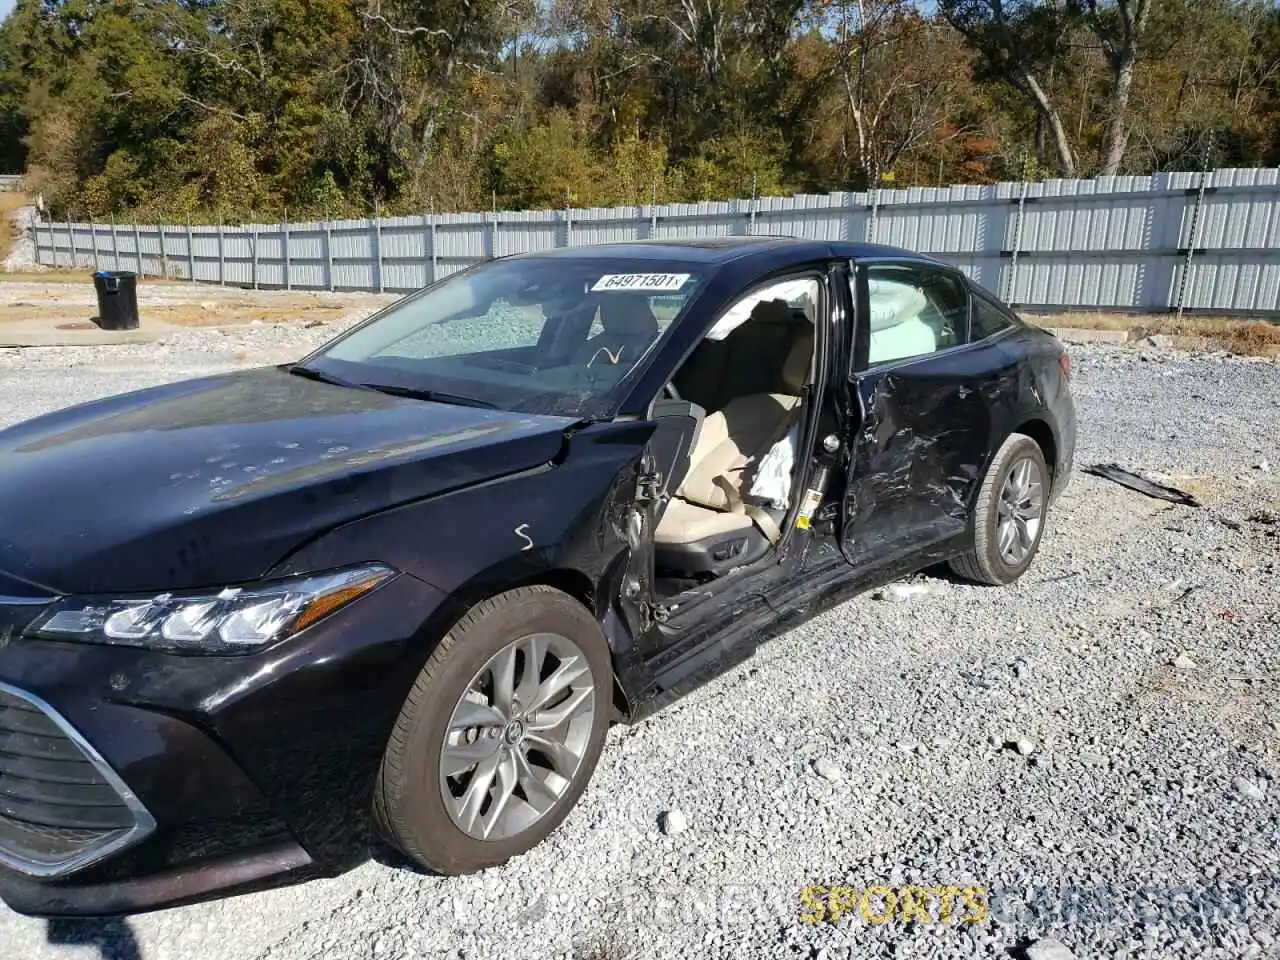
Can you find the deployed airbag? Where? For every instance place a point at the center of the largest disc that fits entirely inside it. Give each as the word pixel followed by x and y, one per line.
pixel 896 328
pixel 893 303
pixel 772 482
pixel 800 293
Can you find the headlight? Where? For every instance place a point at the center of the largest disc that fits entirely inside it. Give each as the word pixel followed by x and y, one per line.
pixel 233 620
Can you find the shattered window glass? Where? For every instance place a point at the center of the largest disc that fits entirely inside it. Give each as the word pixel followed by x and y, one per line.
pixel 552 335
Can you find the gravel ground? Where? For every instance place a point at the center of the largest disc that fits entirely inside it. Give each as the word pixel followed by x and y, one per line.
pixel 1095 748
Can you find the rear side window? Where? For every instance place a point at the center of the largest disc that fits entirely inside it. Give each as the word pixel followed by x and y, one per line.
pixel 987 320
pixel 914 311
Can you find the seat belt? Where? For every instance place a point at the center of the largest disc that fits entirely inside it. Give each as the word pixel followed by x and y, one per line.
pixel 764 523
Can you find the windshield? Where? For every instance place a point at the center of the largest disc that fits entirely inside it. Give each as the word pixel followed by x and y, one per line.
pixel 542 335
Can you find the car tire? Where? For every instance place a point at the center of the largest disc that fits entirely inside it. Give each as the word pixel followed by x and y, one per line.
pixel 1003 501
pixel 450 836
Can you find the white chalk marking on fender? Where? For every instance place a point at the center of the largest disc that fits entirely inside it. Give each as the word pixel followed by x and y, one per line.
pixel 520 532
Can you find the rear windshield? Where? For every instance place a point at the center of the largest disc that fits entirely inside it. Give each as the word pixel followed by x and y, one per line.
pixel 539 335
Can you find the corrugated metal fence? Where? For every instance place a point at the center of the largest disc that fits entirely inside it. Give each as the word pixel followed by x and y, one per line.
pixel 1199 241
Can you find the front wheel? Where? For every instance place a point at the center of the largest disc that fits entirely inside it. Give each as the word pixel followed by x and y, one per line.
pixel 500 734
pixel 1008 515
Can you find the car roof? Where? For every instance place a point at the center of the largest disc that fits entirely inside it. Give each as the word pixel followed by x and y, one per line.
pixel 721 250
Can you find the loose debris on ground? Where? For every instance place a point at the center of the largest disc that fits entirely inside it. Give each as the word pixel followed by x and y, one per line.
pixel 1145 485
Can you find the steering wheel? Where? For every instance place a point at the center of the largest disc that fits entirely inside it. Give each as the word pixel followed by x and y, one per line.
pixel 671 392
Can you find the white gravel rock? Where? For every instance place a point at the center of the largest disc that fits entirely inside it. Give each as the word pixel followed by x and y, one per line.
pixel 1184 662
pixel 1025 746
pixel 1049 949
pixel 828 770
pixel 673 823
pixel 1248 789
pixel 903 592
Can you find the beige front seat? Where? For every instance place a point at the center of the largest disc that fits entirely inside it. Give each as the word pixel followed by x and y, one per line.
pixel 709 500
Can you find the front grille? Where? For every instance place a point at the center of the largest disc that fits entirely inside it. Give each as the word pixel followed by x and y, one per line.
pixel 61 806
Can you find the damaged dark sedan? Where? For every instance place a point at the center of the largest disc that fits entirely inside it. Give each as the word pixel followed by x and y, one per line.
pixel 254 625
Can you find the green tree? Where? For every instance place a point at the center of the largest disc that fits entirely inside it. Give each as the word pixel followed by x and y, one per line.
pixel 238 109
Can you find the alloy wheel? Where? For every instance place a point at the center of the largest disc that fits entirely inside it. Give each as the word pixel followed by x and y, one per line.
pixel 1021 511
pixel 517 736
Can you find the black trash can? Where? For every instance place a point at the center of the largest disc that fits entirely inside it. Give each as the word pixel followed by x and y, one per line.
pixel 117 299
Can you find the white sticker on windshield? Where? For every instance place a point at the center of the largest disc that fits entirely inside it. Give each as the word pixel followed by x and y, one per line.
pixel 641 281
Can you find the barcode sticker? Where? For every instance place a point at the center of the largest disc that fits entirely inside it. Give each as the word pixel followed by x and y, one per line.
pixel 641 281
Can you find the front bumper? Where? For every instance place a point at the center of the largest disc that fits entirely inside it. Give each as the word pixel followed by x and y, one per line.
pixel 212 775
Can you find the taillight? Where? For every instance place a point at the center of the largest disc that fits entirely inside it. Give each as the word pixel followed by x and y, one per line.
pixel 1064 361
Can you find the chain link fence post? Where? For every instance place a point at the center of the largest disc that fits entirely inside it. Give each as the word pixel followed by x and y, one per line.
pixel 164 253
pixel 222 254
pixel 328 254
pixel 435 253
pixel 377 248
pixel 873 188
pixel 93 238
pixel 1194 233
pixel 284 251
pixel 1017 243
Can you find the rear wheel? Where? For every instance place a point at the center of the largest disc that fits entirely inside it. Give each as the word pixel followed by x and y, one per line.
pixel 500 734
pixel 1009 514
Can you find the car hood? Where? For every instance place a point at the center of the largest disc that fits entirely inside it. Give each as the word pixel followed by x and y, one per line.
pixel 214 481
